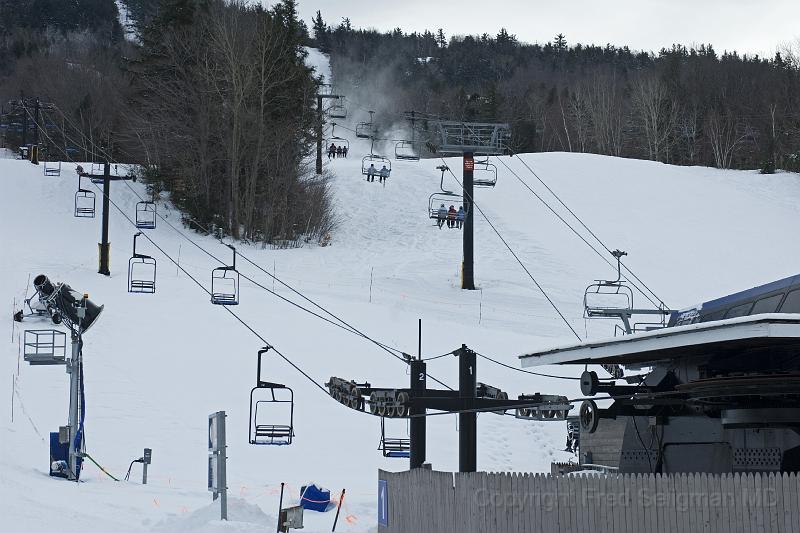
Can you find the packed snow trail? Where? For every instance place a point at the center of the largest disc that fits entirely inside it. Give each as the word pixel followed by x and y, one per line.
pixel 157 365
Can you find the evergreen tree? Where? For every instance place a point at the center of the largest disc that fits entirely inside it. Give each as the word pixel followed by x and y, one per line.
pixel 560 44
pixel 321 33
pixel 441 41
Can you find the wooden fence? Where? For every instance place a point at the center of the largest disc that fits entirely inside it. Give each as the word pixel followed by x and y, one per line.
pixel 424 501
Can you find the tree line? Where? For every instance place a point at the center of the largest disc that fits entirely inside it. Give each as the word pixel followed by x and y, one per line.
pixel 214 101
pixel 686 106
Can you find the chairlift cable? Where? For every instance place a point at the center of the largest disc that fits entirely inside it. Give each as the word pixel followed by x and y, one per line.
pixel 522 370
pixel 661 303
pixel 182 269
pixel 344 325
pixel 513 253
pixel 576 232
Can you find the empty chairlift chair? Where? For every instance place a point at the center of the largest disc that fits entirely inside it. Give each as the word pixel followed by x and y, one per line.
pixel 485 174
pixel 364 130
pixel 84 202
pixel 394 447
pixel 338 108
pixel 225 283
pixel 97 170
pixel 141 271
pixel 406 151
pixel 146 215
pixel 52 168
pixel 270 401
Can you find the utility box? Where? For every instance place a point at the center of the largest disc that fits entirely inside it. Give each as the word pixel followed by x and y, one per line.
pixel 291 518
pixel 59 454
pixel 63 435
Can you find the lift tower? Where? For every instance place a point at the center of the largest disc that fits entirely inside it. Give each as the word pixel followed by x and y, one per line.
pixel 320 123
pixel 470 139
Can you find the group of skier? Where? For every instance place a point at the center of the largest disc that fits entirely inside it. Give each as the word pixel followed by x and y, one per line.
pixel 383 173
pixel 454 219
pixel 337 151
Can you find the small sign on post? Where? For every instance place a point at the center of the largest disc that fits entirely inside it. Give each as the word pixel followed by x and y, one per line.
pixel 383 503
pixel 146 460
pixel 217 457
pixel 469 163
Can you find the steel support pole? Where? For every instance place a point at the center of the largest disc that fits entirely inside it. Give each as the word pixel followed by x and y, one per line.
pixel 319 134
pixel 467 422
pixel 36 121
pixel 104 244
pixel 74 371
pixel 24 121
pixel 417 424
pixel 468 267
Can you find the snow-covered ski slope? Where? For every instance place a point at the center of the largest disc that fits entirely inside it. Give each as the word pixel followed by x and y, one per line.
pixel 157 365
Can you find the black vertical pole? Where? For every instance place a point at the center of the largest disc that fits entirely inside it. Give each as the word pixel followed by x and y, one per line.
pixel 468 268
pixel 467 422
pixel 280 508
pixel 24 122
pixel 419 343
pixel 36 108
pixel 104 245
pixel 319 134
pixel 36 121
pixel 417 430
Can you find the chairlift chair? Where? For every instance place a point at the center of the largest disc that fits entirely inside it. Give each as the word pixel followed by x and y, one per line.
pixel 225 283
pixel 141 271
pixel 97 169
pixel 447 198
pixel 406 151
pixel 378 161
pixel 613 299
pixel 338 109
pixel 364 130
pixel 84 202
pixel 263 395
pixel 334 139
pixel 485 174
pixel 52 168
pixel 338 141
pixel 603 296
pixel 393 447
pixel 146 215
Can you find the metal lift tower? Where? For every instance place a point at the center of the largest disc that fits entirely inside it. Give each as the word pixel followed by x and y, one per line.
pixel 470 139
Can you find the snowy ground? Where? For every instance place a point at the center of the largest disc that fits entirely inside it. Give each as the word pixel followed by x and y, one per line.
pixel 157 365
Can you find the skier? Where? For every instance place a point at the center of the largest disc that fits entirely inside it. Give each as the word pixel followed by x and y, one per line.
pixel 451 217
pixel 344 151
pixel 460 217
pixel 384 174
pixel 331 151
pixel 441 216
pixel 371 173
pixel 338 151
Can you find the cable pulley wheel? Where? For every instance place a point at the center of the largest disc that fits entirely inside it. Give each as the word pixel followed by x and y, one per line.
pixel 355 398
pixel 402 409
pixel 589 383
pixel 589 416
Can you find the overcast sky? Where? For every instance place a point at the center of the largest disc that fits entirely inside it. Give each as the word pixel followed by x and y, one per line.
pixel 758 26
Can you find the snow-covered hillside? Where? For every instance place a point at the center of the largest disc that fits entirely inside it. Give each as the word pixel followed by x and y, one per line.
pixel 157 365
